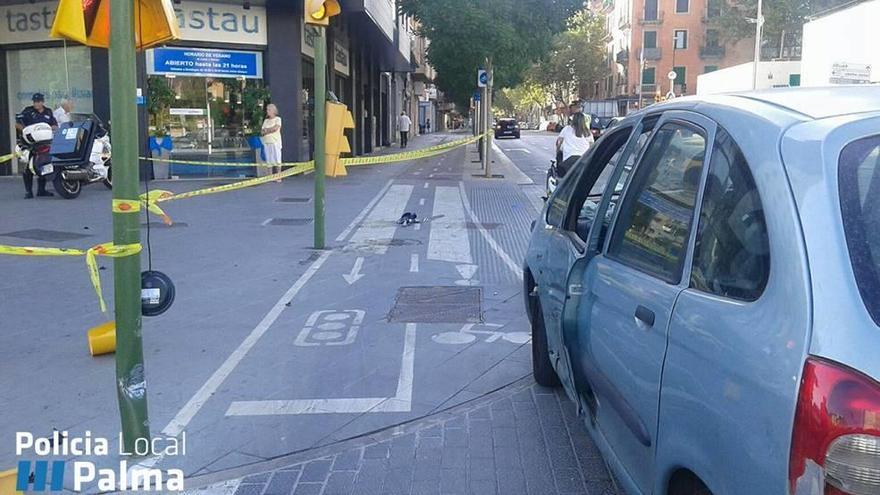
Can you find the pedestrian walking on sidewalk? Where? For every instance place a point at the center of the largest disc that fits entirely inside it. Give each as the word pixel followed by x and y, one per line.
pixel 271 138
pixel 404 123
pixel 574 141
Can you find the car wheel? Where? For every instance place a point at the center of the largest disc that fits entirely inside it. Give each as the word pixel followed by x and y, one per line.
pixel 542 369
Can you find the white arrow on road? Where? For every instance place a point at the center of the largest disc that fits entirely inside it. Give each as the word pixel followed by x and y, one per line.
pixel 467 272
pixel 355 274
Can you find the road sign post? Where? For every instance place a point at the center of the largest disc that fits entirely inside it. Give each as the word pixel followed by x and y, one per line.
pixel 131 388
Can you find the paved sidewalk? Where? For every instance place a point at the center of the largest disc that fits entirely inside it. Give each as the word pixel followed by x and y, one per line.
pixel 523 439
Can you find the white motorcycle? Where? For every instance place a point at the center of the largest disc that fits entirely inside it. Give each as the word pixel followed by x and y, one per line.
pixel 81 156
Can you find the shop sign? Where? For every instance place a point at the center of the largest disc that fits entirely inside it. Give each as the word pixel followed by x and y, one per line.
pixel 198 21
pixel 205 63
pixel 187 111
pixel 341 58
pixel 309 38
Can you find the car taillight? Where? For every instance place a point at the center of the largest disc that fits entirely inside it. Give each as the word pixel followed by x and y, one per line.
pixel 835 445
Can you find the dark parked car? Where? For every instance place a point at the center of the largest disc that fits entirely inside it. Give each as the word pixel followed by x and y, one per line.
pixel 506 127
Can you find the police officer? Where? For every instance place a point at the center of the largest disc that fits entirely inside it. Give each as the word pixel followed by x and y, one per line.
pixel 35 114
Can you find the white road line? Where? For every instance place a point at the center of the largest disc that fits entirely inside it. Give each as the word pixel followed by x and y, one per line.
pixel 401 402
pixel 422 202
pixel 449 240
pixel 375 233
pixel 525 150
pixel 180 421
pixel 425 186
pixel 266 222
pixel 414 263
pixel 506 258
pixel 417 226
pixel 358 219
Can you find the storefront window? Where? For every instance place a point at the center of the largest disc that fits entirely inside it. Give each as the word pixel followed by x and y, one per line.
pixel 204 114
pixel 48 71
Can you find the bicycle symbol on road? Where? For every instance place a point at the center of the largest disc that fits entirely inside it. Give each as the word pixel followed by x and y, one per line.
pixel 467 335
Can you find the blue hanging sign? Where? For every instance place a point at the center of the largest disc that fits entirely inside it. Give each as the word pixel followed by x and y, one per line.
pixel 203 62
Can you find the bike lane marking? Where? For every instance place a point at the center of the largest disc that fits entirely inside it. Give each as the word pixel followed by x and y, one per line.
pixel 506 258
pixel 377 231
pixel 400 402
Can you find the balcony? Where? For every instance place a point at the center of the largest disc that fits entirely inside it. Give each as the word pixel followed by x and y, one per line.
pixel 624 22
pixel 648 88
pixel 607 6
pixel 655 19
pixel 652 53
pixel 622 57
pixel 714 51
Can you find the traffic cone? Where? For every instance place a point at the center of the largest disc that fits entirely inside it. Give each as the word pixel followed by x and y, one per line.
pixel 102 339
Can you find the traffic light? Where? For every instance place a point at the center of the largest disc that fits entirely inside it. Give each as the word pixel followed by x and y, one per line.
pixel 88 22
pixel 338 120
pixel 319 12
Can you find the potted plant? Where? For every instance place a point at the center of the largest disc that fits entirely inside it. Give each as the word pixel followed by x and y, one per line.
pixel 160 97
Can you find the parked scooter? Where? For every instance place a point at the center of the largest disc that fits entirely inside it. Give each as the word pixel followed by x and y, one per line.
pixel 80 156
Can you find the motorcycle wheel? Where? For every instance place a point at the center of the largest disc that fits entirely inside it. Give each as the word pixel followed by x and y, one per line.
pixel 108 182
pixel 67 189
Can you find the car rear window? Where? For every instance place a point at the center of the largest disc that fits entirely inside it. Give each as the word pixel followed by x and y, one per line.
pixel 860 205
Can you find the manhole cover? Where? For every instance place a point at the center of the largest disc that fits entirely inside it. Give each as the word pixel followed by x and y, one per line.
pixel 289 222
pixel 45 235
pixel 437 305
pixel 162 225
pixel 293 200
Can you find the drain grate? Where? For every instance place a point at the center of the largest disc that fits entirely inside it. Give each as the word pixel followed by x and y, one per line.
pixel 438 304
pixel 293 200
pixel 162 225
pixel 289 222
pixel 45 235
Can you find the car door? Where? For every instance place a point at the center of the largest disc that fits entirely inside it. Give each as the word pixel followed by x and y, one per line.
pixel 564 242
pixel 616 318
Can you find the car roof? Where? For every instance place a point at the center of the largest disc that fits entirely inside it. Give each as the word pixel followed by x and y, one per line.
pixel 820 102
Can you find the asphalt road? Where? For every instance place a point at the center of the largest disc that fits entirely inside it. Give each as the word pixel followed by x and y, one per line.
pixel 272 348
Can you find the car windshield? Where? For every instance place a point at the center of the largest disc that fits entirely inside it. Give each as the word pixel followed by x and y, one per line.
pixel 860 206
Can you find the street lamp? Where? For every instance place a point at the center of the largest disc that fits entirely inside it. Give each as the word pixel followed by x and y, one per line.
pixel 759 25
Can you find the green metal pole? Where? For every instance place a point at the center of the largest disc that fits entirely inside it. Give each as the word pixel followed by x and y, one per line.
pixel 130 382
pixel 320 130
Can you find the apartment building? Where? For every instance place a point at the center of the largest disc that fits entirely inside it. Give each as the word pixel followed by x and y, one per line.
pixel 646 40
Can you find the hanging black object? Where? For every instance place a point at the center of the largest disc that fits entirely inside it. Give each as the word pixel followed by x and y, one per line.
pixel 157 293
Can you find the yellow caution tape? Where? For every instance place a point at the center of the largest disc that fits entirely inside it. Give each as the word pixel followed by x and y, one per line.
pixel 106 249
pixel 175 161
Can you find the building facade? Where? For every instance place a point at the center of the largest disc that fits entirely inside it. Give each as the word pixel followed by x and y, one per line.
pixel 649 40
pixel 204 94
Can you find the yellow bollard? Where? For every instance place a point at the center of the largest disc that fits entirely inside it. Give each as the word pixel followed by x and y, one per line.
pixel 102 339
pixel 7 482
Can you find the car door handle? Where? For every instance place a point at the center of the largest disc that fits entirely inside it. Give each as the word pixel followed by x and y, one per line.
pixel 645 315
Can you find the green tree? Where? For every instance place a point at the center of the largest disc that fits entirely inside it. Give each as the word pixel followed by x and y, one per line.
pixel 576 59
pixel 463 33
pixel 783 19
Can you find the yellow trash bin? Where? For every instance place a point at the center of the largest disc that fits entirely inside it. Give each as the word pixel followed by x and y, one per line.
pixel 102 340
pixel 7 482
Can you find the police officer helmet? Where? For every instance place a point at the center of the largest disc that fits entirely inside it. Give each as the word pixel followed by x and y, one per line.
pixel 38 97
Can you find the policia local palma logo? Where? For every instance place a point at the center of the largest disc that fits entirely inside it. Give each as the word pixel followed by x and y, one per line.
pixel 38 474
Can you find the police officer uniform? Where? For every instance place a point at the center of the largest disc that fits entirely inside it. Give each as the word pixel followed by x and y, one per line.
pixel 31 116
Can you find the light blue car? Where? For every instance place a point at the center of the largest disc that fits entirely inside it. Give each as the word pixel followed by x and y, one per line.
pixel 705 285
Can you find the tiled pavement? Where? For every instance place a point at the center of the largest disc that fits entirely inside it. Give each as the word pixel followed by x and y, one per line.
pixel 521 440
